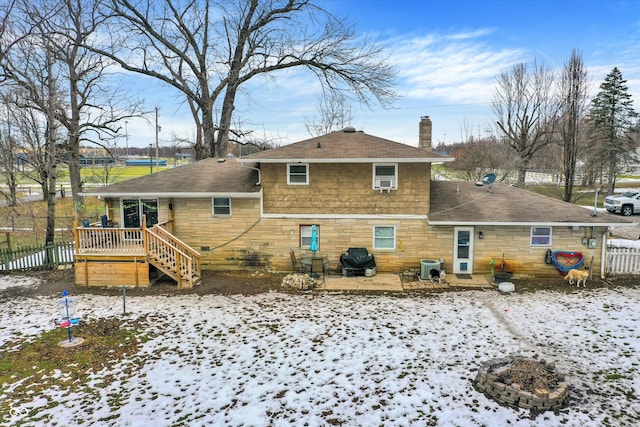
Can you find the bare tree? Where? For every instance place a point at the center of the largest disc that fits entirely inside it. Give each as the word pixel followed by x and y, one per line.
pixel 88 106
pixel 524 109
pixel 93 109
pixel 8 150
pixel 573 103
pixel 477 157
pixel 332 113
pixel 208 49
pixel 33 101
pixel 9 37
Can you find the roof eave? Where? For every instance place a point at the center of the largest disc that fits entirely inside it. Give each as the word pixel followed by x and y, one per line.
pixel 176 195
pixel 354 160
pixel 534 223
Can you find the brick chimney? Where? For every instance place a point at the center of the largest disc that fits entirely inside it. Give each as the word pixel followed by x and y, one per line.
pixel 424 133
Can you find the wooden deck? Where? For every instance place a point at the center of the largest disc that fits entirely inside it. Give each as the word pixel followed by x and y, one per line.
pixel 121 256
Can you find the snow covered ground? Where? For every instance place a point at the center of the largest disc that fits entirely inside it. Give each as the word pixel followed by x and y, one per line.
pixel 319 359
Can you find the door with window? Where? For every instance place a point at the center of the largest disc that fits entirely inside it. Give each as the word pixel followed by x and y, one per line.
pixel 463 250
pixel 134 209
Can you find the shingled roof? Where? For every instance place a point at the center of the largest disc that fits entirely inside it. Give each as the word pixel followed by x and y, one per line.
pixel 346 146
pixel 203 178
pixel 465 203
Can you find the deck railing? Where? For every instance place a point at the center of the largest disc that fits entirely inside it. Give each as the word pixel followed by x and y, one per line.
pixel 181 246
pixel 170 259
pixel 109 240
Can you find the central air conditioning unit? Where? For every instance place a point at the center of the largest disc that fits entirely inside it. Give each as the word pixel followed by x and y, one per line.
pixel 385 184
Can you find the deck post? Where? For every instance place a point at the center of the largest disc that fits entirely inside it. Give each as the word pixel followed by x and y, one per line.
pixel 76 235
pixel 143 227
pixel 179 269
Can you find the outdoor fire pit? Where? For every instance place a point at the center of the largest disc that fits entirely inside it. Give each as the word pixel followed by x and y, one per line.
pixel 524 383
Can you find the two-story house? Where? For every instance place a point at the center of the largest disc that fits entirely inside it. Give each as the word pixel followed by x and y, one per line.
pixel 354 190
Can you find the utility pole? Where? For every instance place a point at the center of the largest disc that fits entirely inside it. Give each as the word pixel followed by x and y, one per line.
pixel 157 144
pixel 126 139
pixel 150 159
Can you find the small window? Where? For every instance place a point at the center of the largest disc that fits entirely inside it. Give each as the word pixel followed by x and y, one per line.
pixel 385 176
pixel 384 237
pixel 298 174
pixel 221 206
pixel 305 236
pixel 540 236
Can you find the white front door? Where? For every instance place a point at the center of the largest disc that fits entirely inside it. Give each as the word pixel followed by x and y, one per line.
pixel 463 250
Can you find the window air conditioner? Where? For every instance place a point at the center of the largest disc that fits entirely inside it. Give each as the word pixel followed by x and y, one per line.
pixel 385 184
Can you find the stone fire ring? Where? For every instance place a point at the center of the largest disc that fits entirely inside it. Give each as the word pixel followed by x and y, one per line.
pixel 487 382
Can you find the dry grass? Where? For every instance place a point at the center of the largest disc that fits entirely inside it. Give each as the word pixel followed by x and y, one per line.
pixel 41 364
pixel 26 223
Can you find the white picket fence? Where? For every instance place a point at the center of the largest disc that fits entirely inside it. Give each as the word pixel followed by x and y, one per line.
pixel 622 261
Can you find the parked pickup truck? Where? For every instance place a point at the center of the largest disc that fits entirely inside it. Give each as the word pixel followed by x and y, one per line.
pixel 627 203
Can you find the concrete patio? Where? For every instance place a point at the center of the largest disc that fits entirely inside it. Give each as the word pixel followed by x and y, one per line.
pixel 395 283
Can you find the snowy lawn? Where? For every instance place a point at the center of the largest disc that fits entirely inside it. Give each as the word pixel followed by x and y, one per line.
pixel 341 359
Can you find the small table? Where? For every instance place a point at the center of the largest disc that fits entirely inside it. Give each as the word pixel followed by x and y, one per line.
pixel 307 261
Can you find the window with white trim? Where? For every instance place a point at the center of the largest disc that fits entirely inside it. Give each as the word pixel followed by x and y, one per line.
pixel 385 176
pixel 540 236
pixel 221 206
pixel 384 237
pixel 298 174
pixel 305 236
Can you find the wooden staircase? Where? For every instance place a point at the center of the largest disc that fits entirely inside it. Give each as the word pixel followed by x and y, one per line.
pixel 172 256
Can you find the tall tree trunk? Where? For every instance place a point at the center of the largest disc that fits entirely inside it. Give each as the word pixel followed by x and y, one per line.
pixel 522 168
pixel 208 135
pixel 611 178
pixel 75 177
pixel 50 155
pixel 222 143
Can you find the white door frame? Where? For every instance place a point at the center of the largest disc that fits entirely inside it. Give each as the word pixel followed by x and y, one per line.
pixel 463 250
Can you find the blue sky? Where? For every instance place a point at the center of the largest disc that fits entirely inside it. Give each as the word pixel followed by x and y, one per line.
pixel 447 53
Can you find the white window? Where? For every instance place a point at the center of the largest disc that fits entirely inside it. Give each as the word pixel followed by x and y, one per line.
pixel 221 206
pixel 384 237
pixel 298 174
pixel 540 236
pixel 305 236
pixel 385 176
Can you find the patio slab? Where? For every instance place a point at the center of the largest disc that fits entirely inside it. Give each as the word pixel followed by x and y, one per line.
pixel 393 283
pixel 379 282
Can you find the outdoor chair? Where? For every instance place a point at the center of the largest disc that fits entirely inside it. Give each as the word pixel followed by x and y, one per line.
pixel 295 263
pixel 105 221
pixel 317 266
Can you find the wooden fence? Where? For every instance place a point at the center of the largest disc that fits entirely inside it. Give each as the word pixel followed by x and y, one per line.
pixel 622 261
pixel 37 257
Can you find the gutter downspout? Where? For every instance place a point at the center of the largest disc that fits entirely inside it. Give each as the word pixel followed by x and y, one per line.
pixel 257 170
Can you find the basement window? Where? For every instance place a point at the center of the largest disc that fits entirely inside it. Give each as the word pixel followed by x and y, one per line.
pixel 384 237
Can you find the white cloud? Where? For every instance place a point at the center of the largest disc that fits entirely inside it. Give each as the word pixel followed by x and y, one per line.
pixel 455 68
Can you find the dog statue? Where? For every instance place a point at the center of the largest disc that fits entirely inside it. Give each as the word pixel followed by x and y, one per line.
pixel 439 275
pixel 576 276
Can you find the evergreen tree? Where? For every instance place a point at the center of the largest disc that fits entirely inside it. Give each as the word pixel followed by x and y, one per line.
pixel 611 119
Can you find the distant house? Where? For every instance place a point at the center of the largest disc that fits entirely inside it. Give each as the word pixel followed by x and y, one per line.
pixel 184 156
pixel 359 191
